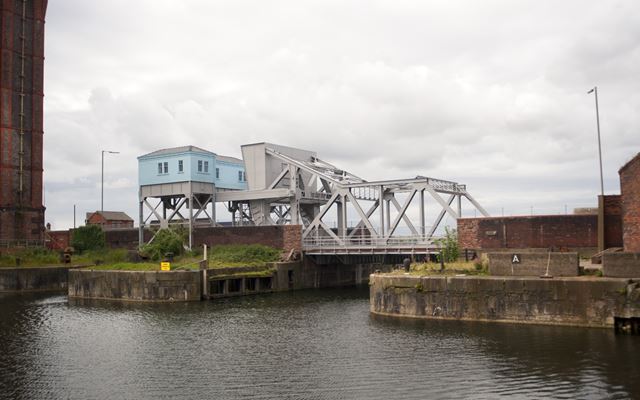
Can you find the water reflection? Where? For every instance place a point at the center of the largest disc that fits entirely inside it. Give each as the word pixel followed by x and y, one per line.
pixel 315 344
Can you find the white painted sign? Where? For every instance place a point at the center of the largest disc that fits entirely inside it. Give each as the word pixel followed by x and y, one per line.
pixel 515 259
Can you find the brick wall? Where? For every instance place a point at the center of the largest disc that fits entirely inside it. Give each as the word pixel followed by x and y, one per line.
pixel 284 237
pixel 630 189
pixel 57 240
pixel 21 209
pixel 540 231
pixel 612 221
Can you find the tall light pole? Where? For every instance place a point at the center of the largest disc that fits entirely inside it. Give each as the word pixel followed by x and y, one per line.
pixel 595 89
pixel 102 180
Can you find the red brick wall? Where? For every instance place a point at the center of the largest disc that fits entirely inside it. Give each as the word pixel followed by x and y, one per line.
pixel 57 240
pixel 21 213
pixel 284 237
pixel 630 189
pixel 541 231
pixel 612 221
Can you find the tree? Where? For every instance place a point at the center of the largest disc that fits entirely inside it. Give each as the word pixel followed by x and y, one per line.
pixel 89 237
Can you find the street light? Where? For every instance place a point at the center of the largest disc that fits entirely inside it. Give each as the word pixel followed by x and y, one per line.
pixel 595 89
pixel 102 185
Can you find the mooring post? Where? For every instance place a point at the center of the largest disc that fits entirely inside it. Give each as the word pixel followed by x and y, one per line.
pixel 204 264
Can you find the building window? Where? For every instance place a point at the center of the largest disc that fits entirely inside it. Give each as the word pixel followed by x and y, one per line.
pixel 240 176
pixel 206 167
pixel 159 167
pixel 244 176
pixel 166 167
pixel 180 166
pixel 217 173
pixel 199 165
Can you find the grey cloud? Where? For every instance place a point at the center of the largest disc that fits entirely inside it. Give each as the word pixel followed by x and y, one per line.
pixel 492 94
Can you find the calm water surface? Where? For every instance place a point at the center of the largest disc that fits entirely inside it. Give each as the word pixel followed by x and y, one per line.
pixel 304 345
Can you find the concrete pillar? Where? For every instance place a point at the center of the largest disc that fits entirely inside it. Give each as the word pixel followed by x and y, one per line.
pixel 601 243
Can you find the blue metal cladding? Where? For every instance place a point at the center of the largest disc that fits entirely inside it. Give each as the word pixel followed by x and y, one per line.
pixel 191 165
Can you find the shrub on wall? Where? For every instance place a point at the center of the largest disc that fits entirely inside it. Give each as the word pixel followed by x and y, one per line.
pixel 89 237
pixel 449 245
pixel 165 241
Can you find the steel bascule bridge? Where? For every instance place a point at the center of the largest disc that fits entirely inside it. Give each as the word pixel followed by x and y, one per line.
pixel 341 215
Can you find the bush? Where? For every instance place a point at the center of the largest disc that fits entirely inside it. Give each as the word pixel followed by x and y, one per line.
pixel 165 241
pixel 253 253
pixel 88 237
pixel 449 244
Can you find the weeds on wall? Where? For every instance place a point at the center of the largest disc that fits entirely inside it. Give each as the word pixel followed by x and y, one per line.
pixel 166 241
pixel 449 245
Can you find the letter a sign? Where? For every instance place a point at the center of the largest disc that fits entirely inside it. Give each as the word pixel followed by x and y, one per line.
pixel 515 259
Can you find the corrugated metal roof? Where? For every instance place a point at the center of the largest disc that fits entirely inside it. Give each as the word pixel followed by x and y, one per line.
pixel 176 150
pixel 112 215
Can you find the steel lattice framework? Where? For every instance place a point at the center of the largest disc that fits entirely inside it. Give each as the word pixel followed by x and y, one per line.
pixel 307 190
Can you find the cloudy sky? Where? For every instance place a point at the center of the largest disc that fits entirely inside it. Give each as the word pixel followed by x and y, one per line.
pixel 492 94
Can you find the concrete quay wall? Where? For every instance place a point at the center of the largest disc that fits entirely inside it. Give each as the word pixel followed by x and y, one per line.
pixel 588 302
pixel 221 282
pixel 23 279
pixel 621 265
pixel 135 285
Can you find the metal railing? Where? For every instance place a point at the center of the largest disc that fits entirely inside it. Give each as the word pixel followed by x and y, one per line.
pixel 365 243
pixel 21 243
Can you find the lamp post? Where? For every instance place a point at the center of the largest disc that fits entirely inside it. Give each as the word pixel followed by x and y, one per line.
pixel 102 180
pixel 595 89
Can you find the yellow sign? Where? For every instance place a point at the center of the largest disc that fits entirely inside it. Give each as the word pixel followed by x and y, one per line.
pixel 165 266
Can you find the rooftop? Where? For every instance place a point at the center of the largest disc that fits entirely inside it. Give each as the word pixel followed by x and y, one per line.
pixel 111 215
pixel 190 148
pixel 176 150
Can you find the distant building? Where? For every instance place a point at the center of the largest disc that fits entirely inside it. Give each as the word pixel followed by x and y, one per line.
pixel 109 219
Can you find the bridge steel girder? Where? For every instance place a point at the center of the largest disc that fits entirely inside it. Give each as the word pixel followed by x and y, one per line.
pixel 305 190
pixel 171 200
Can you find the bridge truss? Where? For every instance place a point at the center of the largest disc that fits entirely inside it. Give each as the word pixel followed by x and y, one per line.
pixel 321 197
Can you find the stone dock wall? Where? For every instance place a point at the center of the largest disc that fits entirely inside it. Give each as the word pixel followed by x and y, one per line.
pixel 23 279
pixel 589 302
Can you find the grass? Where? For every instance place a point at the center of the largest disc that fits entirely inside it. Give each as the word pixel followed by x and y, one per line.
pixel 452 268
pixel 36 257
pixel 242 255
pixel 219 257
pixel 118 259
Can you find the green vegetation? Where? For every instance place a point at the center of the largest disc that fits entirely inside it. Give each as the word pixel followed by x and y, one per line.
pixel 127 266
pixel 165 241
pixel 40 257
pixel 104 256
pixel 452 268
pixel 35 257
pixel 449 244
pixel 88 237
pixel 267 272
pixel 119 259
pixel 242 255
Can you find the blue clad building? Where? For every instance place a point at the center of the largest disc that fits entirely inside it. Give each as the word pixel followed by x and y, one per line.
pixel 191 163
pixel 178 186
